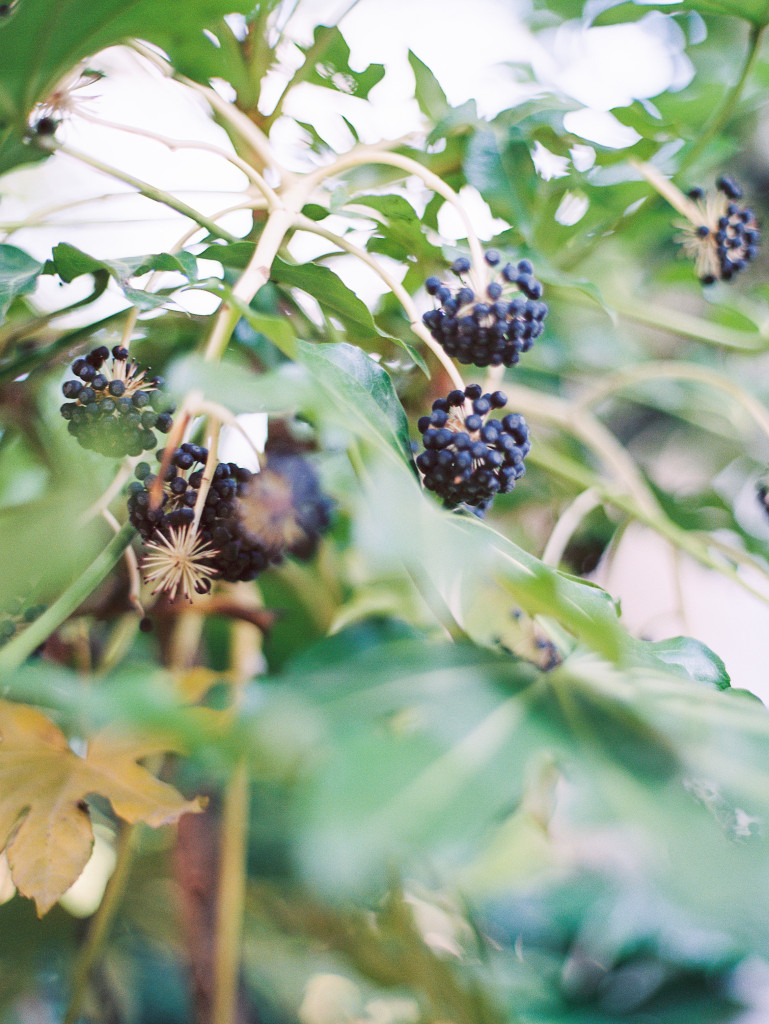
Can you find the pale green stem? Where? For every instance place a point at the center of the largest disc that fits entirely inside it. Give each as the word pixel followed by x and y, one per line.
pixel 241 124
pixel 567 523
pixel 102 920
pixel 230 899
pixel 553 462
pixel 147 190
pixel 231 896
pixel 212 444
pixel 361 155
pixel 176 144
pixel 17 651
pixel 675 371
pixel 670 192
pixel 400 293
pixel 675 321
pixel 132 565
pixel 256 274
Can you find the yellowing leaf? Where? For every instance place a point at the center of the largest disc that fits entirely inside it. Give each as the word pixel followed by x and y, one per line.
pixel 45 828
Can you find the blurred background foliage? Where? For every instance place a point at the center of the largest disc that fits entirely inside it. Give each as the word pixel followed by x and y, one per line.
pixel 479 788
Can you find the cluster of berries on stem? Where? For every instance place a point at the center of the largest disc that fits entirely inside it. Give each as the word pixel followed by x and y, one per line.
pixel 720 234
pixel 492 329
pixel 113 408
pixel 470 457
pixel 246 523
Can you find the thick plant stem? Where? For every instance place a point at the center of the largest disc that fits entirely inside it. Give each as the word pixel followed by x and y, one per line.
pixel 102 921
pixel 256 274
pixel 148 191
pixel 246 651
pixel 231 896
pixel 19 649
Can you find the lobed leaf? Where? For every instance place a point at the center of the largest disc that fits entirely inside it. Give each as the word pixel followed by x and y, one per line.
pixel 45 827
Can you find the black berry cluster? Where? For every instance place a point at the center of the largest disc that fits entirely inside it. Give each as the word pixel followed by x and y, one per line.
pixel 724 238
pixel 493 329
pixel 469 457
pixel 249 521
pixel 115 409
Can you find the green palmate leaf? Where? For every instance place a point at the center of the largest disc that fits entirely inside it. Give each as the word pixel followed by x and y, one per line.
pixel 481 578
pixel 327 63
pixel 335 382
pixel 18 275
pixel 429 743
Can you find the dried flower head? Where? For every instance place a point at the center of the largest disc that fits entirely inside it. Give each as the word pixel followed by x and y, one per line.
pixel 181 559
pixel 62 100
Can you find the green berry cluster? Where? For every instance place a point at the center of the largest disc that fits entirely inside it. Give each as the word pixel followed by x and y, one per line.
pixel 113 408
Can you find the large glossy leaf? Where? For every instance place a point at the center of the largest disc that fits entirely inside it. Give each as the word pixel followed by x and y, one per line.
pixel 335 382
pixel 429 743
pixel 42 40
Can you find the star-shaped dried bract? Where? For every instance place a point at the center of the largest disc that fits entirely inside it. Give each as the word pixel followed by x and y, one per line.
pixel 179 560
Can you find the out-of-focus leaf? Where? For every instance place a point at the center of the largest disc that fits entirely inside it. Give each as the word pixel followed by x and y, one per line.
pixel 338 382
pixel 504 175
pixel 45 827
pixel 42 40
pixel 327 63
pixel 693 659
pixel 18 275
pixel 427 90
pixel 362 388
